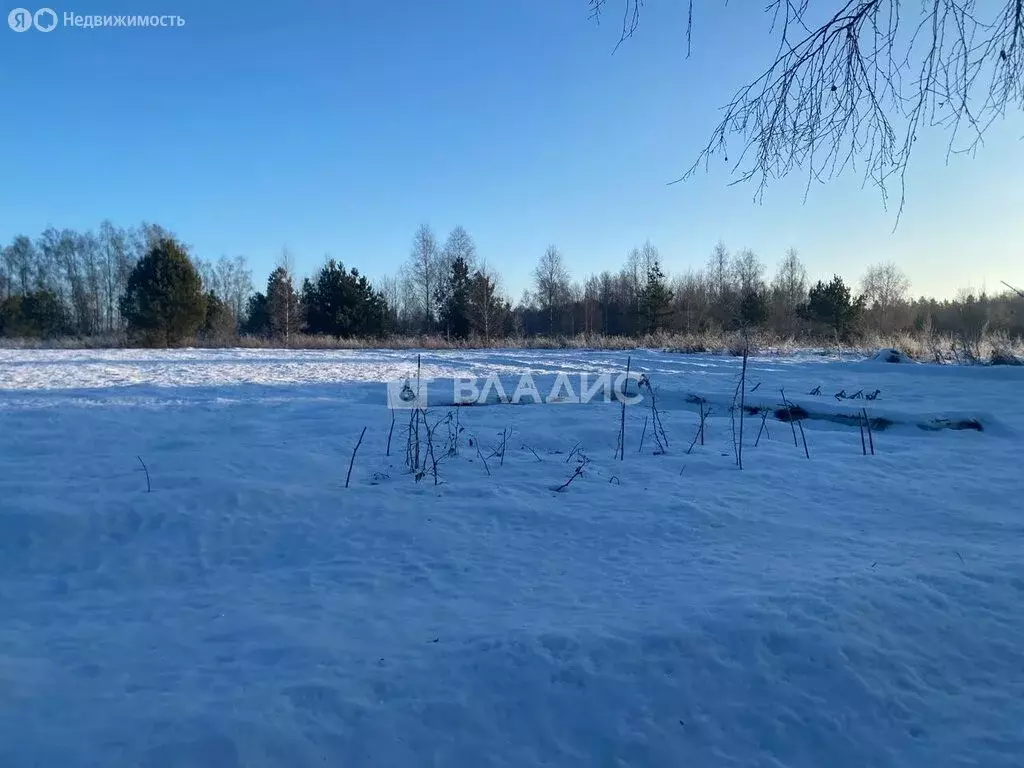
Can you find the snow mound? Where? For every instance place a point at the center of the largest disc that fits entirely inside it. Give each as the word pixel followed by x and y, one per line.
pixel 1001 357
pixel 888 355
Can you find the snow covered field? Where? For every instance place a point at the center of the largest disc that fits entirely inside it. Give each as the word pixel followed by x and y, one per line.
pixel 664 610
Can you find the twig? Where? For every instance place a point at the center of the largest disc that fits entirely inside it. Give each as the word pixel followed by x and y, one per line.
pixel 577 473
pixel 572 453
pixel 871 438
pixel 659 428
pixel 803 437
pixel 390 432
pixel 1018 291
pixel 743 402
pixel 410 434
pixel 538 458
pixel 800 424
pixel 434 461
pixel 622 423
pixel 149 487
pixel 863 444
pixel 700 429
pixel 642 436
pixel 732 422
pixel 480 454
pixel 764 428
pixel 418 391
pixel 792 426
pixel 352 461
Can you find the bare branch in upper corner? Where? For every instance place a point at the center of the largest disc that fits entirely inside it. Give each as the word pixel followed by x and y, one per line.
pixel 1018 291
pixel 630 17
pixel 852 89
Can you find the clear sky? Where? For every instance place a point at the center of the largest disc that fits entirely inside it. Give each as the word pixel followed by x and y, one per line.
pixel 339 127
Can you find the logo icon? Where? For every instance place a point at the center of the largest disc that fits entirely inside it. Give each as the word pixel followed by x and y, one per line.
pixel 45 20
pixel 403 394
pixel 20 20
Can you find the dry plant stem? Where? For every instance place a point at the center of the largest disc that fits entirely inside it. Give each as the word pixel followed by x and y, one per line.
pixel 622 422
pixel 538 458
pixel 871 438
pixel 792 426
pixel 700 430
pixel 416 419
pixel 799 424
pixel 390 432
pixel 412 437
pixel 479 453
pixel 732 422
pixel 577 473
pixel 703 417
pixel 659 428
pixel 764 428
pixel 148 485
pixel 743 402
pixel 430 445
pixel 355 450
pixel 572 453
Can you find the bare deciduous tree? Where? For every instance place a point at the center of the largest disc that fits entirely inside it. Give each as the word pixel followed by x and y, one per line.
pixel 551 280
pixel 789 290
pixel 748 272
pixel 423 273
pixel 459 244
pixel 884 287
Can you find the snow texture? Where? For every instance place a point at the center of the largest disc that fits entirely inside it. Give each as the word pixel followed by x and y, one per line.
pixel 662 610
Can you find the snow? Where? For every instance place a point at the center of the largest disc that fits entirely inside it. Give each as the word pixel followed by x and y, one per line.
pixel 845 610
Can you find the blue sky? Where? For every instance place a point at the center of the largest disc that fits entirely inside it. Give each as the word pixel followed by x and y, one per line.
pixel 339 127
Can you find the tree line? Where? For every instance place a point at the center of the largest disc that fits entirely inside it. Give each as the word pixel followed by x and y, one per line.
pixel 144 286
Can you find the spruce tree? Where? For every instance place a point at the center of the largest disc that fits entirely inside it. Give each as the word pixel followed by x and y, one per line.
pixel 163 303
pixel 455 302
pixel 656 298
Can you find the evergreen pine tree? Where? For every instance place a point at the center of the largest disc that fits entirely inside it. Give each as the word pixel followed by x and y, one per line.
pixel 257 322
pixel 832 304
pixel 753 311
pixel 343 303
